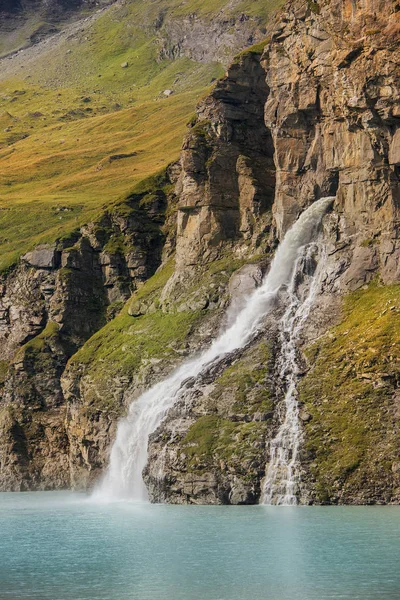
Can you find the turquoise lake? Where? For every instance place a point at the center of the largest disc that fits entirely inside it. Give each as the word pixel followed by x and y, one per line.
pixel 56 546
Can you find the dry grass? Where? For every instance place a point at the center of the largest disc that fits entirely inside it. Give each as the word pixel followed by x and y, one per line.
pixel 66 109
pixel 57 179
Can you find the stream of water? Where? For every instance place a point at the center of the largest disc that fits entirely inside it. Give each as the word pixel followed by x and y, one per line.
pixel 282 481
pixel 123 478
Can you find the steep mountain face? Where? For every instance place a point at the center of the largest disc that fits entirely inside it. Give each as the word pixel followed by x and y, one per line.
pixel 311 112
pixel 62 292
pixel 56 298
pixel 99 100
pixel 331 114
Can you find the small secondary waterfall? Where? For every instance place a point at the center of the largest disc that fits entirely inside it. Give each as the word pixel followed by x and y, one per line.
pixel 282 480
pixel 123 478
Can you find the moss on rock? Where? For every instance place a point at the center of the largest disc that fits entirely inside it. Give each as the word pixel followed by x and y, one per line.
pixel 39 343
pixel 217 444
pixel 247 378
pixel 352 395
pixel 129 342
pixel 227 433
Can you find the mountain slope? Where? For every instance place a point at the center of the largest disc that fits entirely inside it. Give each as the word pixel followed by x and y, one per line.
pixel 95 90
pixel 311 111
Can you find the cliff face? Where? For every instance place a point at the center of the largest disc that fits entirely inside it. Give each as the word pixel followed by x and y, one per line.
pixel 330 101
pixel 330 118
pixel 312 112
pixel 334 126
pixel 51 303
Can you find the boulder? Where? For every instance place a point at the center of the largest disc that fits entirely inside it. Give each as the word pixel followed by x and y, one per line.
pixel 42 257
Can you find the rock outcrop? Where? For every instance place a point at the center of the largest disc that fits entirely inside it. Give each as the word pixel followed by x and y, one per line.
pixel 51 303
pixel 330 120
pixel 202 41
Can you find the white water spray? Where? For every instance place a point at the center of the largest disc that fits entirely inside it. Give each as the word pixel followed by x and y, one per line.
pixel 128 458
pixel 282 482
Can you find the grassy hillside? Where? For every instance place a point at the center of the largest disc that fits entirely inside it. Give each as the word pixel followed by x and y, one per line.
pixel 70 107
pixel 60 177
pixel 351 393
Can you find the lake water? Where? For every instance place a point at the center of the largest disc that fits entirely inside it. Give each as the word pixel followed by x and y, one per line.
pixel 56 546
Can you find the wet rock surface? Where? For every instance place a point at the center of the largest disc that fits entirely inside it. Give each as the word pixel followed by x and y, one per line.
pixel 332 130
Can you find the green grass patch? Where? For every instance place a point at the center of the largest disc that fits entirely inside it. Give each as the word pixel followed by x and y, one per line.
pixel 127 343
pixel 213 439
pixel 314 7
pixel 38 343
pixel 4 366
pixel 236 443
pixel 78 107
pixel 255 50
pixel 247 378
pixel 349 393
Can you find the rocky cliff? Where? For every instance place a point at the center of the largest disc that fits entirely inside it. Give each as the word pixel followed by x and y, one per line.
pixel 330 105
pixel 51 303
pixel 311 112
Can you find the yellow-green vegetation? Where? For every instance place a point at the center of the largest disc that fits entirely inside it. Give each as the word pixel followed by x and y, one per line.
pixel 150 291
pixel 38 348
pixel 38 343
pixel 3 371
pixel 314 6
pixel 243 390
pixel 246 378
pixel 214 443
pixel 56 180
pixel 252 50
pixel 78 130
pixel 127 342
pixel 350 392
pixel 208 436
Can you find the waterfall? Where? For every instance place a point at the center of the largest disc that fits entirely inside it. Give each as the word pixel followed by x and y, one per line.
pixel 123 478
pixel 282 482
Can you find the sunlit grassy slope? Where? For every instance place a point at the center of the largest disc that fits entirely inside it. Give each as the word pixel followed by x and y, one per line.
pixel 69 110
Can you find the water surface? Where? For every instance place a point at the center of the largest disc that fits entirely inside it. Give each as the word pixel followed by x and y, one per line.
pixel 56 546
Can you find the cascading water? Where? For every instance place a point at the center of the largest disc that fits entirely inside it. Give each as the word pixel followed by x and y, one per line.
pixel 282 482
pixel 128 458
